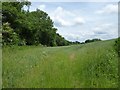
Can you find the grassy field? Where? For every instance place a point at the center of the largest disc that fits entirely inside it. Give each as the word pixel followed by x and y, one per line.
pixel 0 67
pixel 78 66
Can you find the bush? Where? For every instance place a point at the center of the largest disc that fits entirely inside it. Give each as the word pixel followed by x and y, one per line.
pixel 9 37
pixel 93 40
pixel 117 46
pixel 21 43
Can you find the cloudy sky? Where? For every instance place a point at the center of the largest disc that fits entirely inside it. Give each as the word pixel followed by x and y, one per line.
pixel 78 21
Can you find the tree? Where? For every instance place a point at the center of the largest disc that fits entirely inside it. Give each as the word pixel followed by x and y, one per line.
pixel 9 37
pixel 12 11
pixel 31 28
pixel 93 40
pixel 60 41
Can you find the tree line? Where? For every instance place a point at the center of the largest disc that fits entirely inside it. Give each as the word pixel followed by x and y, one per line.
pixel 28 28
pixel 22 27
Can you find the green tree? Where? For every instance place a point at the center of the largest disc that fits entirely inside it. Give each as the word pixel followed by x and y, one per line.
pixel 9 37
pixel 32 28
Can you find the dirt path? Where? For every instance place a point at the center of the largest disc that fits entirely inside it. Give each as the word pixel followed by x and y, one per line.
pixel 72 56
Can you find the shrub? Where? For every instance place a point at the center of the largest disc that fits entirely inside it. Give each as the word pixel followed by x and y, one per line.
pixel 9 37
pixel 93 40
pixel 117 46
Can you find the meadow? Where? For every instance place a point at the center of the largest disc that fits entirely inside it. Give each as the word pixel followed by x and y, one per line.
pixel 92 65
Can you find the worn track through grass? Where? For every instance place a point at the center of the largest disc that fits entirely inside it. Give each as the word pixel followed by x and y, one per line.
pixel 77 66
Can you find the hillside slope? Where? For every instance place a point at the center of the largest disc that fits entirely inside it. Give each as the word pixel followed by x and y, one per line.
pixel 78 66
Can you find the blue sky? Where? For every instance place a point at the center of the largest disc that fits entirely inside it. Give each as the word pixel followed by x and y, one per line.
pixel 78 21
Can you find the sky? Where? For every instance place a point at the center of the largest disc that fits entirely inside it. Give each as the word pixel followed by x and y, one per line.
pixel 79 21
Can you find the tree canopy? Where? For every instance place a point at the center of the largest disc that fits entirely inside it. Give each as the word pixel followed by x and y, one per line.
pixel 32 28
pixel 22 27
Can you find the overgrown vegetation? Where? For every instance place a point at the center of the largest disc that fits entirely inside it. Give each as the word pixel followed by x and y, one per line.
pixel 93 65
pixel 79 65
pixel 117 46
pixel 29 28
pixel 9 36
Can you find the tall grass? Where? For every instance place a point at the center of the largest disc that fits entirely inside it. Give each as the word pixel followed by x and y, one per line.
pixel 93 65
pixel 0 67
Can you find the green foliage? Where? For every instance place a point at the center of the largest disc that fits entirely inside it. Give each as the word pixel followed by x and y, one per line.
pixel 12 11
pixel 76 42
pixel 9 37
pixel 117 46
pixel 34 27
pixel 93 40
pixel 60 41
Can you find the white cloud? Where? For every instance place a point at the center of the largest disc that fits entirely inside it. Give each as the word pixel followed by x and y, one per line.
pixel 63 18
pixel 79 20
pixel 102 27
pixel 106 30
pixel 74 0
pixel 73 26
pixel 110 8
pixel 79 36
pixel 72 37
pixel 42 7
pixel 101 30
